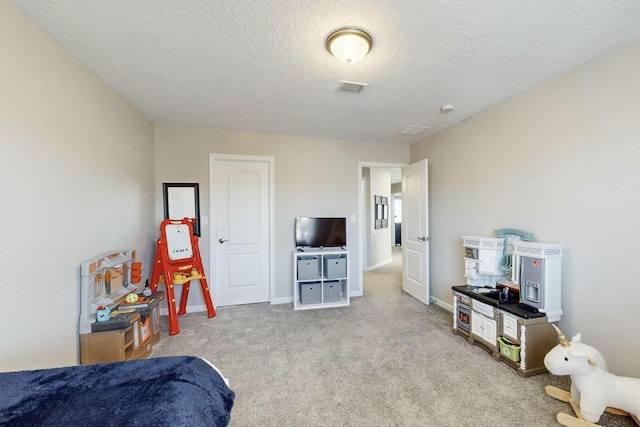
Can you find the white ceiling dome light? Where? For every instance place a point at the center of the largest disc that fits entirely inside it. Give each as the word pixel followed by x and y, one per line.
pixel 349 44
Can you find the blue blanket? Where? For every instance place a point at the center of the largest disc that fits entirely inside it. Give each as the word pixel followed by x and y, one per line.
pixel 166 391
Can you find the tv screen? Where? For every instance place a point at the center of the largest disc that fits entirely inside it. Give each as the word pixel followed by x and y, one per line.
pixel 321 232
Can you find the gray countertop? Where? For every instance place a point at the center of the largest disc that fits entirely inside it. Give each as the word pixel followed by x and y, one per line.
pixel 509 305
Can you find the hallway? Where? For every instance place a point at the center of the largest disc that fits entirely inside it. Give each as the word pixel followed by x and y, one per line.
pixel 386 278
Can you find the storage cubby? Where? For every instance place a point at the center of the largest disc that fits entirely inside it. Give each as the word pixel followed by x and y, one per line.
pixel 117 345
pixel 108 346
pixel 320 279
pixel 534 338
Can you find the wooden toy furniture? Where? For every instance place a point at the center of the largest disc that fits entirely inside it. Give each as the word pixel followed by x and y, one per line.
pixel 106 280
pixel 178 262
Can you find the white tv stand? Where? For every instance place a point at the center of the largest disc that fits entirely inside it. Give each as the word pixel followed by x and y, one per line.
pixel 320 278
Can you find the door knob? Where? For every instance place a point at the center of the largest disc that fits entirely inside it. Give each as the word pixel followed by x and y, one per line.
pixel 423 238
pixel 221 241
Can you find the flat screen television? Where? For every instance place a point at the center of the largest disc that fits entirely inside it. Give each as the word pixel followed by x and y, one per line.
pixel 321 232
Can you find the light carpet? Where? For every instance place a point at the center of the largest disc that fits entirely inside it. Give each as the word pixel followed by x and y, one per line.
pixel 386 360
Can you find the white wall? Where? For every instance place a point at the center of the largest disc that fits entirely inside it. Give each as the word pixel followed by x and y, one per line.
pixel 562 161
pixel 313 177
pixel 76 181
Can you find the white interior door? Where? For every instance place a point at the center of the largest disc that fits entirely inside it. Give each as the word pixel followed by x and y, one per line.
pixel 241 211
pixel 415 231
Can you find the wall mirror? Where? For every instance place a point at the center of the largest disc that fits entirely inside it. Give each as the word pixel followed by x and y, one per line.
pixel 182 200
pixel 381 212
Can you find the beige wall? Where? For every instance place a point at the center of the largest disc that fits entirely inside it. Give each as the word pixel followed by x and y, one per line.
pixel 76 181
pixel 313 177
pixel 561 161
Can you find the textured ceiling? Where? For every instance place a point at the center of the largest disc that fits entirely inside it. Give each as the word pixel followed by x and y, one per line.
pixel 262 66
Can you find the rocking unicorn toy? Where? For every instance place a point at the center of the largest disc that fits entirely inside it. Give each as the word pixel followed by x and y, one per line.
pixel 593 389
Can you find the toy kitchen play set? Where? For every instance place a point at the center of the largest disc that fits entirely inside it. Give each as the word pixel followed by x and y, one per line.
pixel 511 297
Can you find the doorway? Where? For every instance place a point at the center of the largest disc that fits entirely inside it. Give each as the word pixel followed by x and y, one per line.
pixel 396 214
pixel 377 238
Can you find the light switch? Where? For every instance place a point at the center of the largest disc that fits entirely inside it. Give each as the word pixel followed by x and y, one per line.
pixel 353 219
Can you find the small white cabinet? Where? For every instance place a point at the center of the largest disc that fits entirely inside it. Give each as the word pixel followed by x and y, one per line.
pixel 484 328
pixel 488 261
pixel 482 260
pixel 484 324
pixel 320 279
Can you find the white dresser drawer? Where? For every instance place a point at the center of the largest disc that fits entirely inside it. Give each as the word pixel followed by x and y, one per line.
pixel 509 326
pixel 471 268
pixel 482 308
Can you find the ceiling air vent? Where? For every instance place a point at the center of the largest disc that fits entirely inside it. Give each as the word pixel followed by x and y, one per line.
pixel 412 130
pixel 350 86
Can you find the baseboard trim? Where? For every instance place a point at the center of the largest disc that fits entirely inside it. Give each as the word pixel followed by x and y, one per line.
pixel 442 304
pixel 378 265
pixel 190 309
pixel 283 300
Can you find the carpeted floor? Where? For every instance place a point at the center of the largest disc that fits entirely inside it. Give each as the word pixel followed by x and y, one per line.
pixel 387 360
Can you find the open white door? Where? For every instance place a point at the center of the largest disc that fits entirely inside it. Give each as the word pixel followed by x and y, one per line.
pixel 415 231
pixel 241 228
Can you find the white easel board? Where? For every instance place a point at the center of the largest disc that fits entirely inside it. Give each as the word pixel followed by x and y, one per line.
pixel 178 241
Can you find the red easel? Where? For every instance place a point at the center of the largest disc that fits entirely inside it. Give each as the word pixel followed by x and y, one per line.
pixel 178 262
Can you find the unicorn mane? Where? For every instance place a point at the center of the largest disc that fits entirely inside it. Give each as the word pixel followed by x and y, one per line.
pixel 592 353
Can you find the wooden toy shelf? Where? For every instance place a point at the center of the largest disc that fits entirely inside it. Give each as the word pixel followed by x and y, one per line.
pixel 111 346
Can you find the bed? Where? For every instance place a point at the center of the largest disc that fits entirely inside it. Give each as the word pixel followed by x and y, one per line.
pixel 164 391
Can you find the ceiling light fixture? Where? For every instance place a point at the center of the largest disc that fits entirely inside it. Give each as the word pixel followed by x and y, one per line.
pixel 349 44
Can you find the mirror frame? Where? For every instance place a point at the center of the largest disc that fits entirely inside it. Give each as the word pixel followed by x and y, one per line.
pixel 186 208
